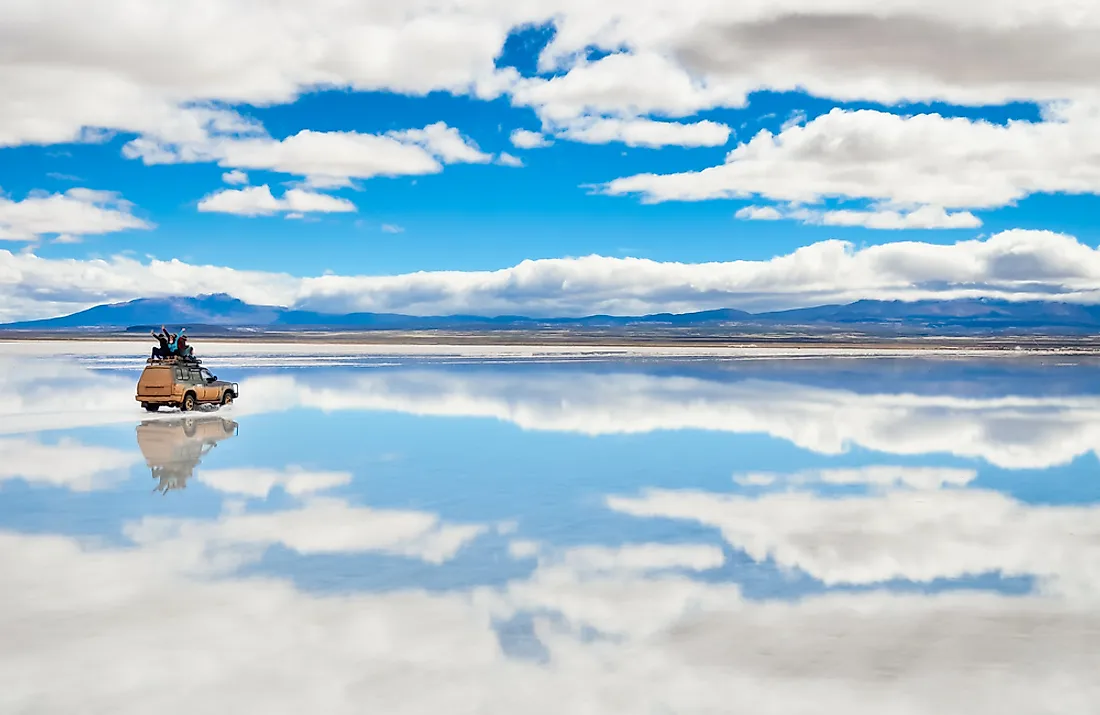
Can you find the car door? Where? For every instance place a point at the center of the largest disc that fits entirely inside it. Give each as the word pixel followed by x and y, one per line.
pixel 199 385
pixel 210 393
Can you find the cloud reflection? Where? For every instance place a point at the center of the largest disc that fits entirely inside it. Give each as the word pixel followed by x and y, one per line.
pixel 1010 431
pixel 183 619
pixel 1036 428
pixel 64 463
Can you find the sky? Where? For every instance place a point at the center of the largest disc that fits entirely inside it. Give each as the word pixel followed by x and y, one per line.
pixel 547 157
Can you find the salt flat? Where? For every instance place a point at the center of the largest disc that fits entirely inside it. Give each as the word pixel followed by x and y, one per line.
pixel 604 534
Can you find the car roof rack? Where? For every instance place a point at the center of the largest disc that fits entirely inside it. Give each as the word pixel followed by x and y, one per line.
pixel 174 360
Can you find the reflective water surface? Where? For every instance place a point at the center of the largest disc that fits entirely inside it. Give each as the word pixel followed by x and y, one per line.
pixel 417 535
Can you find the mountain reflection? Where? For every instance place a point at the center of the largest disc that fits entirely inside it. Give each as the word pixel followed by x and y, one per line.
pixel 173 448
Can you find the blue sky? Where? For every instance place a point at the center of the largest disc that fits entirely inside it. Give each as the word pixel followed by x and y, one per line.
pixel 368 143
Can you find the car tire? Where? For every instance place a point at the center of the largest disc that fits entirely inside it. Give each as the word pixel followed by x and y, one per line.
pixel 189 402
pixel 227 398
pixel 150 408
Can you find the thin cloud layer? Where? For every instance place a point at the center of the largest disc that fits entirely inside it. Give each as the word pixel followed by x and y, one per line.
pixel 1013 265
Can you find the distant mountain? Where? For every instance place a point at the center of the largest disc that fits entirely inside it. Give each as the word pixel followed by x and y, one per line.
pixel 220 313
pixel 218 309
pixel 972 313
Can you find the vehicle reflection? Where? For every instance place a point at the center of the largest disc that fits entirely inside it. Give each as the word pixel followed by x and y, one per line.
pixel 174 448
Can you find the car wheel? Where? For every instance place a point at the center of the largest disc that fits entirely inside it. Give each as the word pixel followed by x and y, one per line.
pixel 227 398
pixel 189 402
pixel 150 408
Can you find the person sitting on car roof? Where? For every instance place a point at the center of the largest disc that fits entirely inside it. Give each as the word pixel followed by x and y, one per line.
pixel 162 350
pixel 184 350
pixel 173 342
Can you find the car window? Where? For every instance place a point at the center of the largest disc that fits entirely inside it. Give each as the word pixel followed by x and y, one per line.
pixel 196 376
pixel 206 375
pixel 181 374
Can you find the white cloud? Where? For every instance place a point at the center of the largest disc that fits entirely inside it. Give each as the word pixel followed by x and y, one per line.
pixel 258 482
pixel 1013 265
pixel 703 54
pixel 759 213
pixel 630 85
pixel 77 212
pixel 67 67
pixel 236 176
pixel 922 217
pixel 65 72
pixel 444 142
pixel 526 139
pixel 921 161
pixel 327 159
pixel 66 463
pixel 506 159
pixel 392 228
pixel 258 201
pixel 646 132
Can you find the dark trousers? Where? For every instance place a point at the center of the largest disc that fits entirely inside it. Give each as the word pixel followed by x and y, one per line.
pixel 161 352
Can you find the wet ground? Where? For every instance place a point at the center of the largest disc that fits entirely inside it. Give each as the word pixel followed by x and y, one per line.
pixel 483 534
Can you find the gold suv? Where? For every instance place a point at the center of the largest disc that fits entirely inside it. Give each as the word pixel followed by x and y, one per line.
pixel 183 384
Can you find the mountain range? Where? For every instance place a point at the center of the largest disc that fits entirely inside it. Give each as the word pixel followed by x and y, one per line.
pixel 223 313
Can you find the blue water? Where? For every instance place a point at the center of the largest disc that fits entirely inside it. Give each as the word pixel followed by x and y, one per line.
pixel 878 535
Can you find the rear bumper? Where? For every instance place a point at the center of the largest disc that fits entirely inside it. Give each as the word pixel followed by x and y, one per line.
pixel 155 399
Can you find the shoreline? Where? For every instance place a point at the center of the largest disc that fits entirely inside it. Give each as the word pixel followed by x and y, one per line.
pixel 565 345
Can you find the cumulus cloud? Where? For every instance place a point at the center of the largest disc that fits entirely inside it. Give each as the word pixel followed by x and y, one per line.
pixel 1013 265
pixel 622 84
pixel 326 159
pixel 647 132
pixel 258 201
pixel 65 78
pixel 526 139
pixel 715 53
pixel 64 71
pixel 506 159
pixel 236 176
pixel 926 160
pixel 759 213
pixel 75 213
